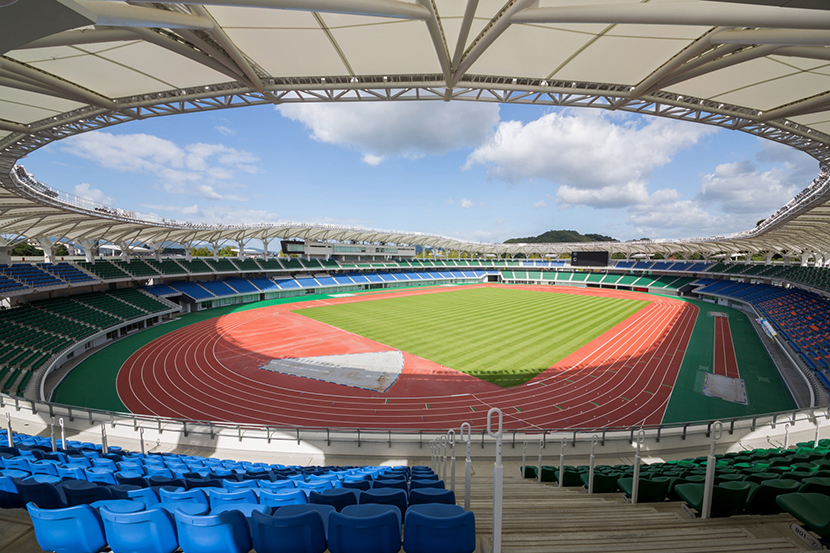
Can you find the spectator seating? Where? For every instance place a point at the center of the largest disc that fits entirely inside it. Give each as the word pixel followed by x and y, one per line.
pixel 31 275
pixel 76 515
pixel 104 270
pixel 137 268
pixel 66 272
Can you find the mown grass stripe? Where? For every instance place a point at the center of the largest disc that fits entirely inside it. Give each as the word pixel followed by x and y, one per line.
pixel 506 336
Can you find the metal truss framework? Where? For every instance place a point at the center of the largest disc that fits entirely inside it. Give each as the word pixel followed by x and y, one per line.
pixel 93 225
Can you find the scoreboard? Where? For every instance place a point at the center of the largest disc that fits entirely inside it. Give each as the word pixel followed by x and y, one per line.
pixel 589 259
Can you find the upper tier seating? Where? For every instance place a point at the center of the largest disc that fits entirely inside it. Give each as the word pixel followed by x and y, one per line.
pixel 137 267
pixel 66 272
pixel 31 274
pixel 167 267
pixel 247 265
pixel 104 270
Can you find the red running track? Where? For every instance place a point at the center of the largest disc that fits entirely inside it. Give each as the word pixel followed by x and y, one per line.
pixel 725 363
pixel 208 371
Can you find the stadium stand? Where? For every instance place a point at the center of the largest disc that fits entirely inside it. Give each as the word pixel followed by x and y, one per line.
pixel 192 289
pixel 167 267
pixel 104 270
pixel 195 266
pixel 66 272
pixel 137 268
pixel 31 275
pixel 241 285
pixel 247 265
pixel 221 265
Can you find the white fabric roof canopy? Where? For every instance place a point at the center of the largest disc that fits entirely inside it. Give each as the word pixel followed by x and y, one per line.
pixel 70 66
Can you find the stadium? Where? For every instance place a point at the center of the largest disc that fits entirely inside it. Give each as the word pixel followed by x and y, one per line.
pixel 653 394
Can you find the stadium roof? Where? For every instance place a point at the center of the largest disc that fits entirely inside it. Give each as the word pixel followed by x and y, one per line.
pixel 70 66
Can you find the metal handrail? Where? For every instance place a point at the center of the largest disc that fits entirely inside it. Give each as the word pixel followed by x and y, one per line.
pixel 263 432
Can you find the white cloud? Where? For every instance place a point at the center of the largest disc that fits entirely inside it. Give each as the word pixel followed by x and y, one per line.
pixel 600 159
pixel 743 189
pixel 466 204
pixel 540 204
pixel 799 167
pixel 664 214
pixel 221 129
pixel 450 201
pixel 219 213
pixel 411 130
pixel 197 169
pixel 374 161
pixel 84 190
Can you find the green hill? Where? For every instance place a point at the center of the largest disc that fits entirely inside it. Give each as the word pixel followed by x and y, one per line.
pixel 553 236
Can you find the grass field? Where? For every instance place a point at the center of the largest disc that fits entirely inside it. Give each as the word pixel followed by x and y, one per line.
pixel 497 334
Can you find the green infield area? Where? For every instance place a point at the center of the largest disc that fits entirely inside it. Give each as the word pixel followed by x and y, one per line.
pixel 505 336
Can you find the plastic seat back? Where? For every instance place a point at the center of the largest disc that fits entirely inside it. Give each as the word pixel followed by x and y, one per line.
pixel 218 498
pixel 152 531
pixel 431 495
pixel 387 496
pixel 78 492
pixel 439 529
pixel 70 530
pixel 42 494
pixel 282 497
pixel 365 529
pixel 226 532
pixel 195 495
pixel 302 532
pixel 338 498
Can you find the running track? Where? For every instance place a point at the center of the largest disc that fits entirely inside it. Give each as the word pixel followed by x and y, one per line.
pixel 725 363
pixel 208 371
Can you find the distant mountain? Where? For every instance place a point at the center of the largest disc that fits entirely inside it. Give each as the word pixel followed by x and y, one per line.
pixel 553 236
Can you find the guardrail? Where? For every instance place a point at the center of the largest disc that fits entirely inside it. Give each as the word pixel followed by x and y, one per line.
pixel 759 429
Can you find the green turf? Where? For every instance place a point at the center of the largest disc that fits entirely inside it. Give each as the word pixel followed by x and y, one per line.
pixel 505 336
pixel 765 390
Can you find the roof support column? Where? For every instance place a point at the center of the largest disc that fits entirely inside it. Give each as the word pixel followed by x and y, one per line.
pixel 90 250
pixel 48 249
pixel 805 256
pixel 157 248
pixel 125 252
pixel 188 251
pixel 241 244
pixel 768 258
pixel 265 248
pixel 6 254
pixel 215 246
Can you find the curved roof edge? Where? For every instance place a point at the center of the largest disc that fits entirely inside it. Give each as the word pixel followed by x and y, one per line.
pixel 31 209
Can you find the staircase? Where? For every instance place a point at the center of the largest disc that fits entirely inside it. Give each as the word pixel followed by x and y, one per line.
pixel 545 518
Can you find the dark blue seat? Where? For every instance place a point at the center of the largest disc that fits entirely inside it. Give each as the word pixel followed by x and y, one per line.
pixel 131 477
pixel 44 495
pixel 149 531
pixel 9 497
pixel 190 483
pixel 362 485
pixel 417 484
pixel 78 492
pixel 439 529
pixel 386 496
pixel 277 485
pixel 68 530
pixel 148 496
pixel 243 485
pixel 399 484
pixel 291 529
pixel 365 529
pixel 336 497
pixel 226 532
pixel 421 496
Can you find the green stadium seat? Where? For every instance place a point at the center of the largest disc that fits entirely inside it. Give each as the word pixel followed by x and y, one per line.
pixel 761 499
pixel 648 491
pixel 812 509
pixel 728 499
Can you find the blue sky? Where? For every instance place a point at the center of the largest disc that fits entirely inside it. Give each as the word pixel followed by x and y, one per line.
pixel 474 171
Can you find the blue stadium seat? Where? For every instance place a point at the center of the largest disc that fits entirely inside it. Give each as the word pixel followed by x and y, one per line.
pixel 386 496
pixel 421 496
pixel 365 529
pixel 68 530
pixel 439 529
pixel 219 497
pixel 279 498
pixel 225 532
pixel 149 531
pixel 336 497
pixel 291 529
